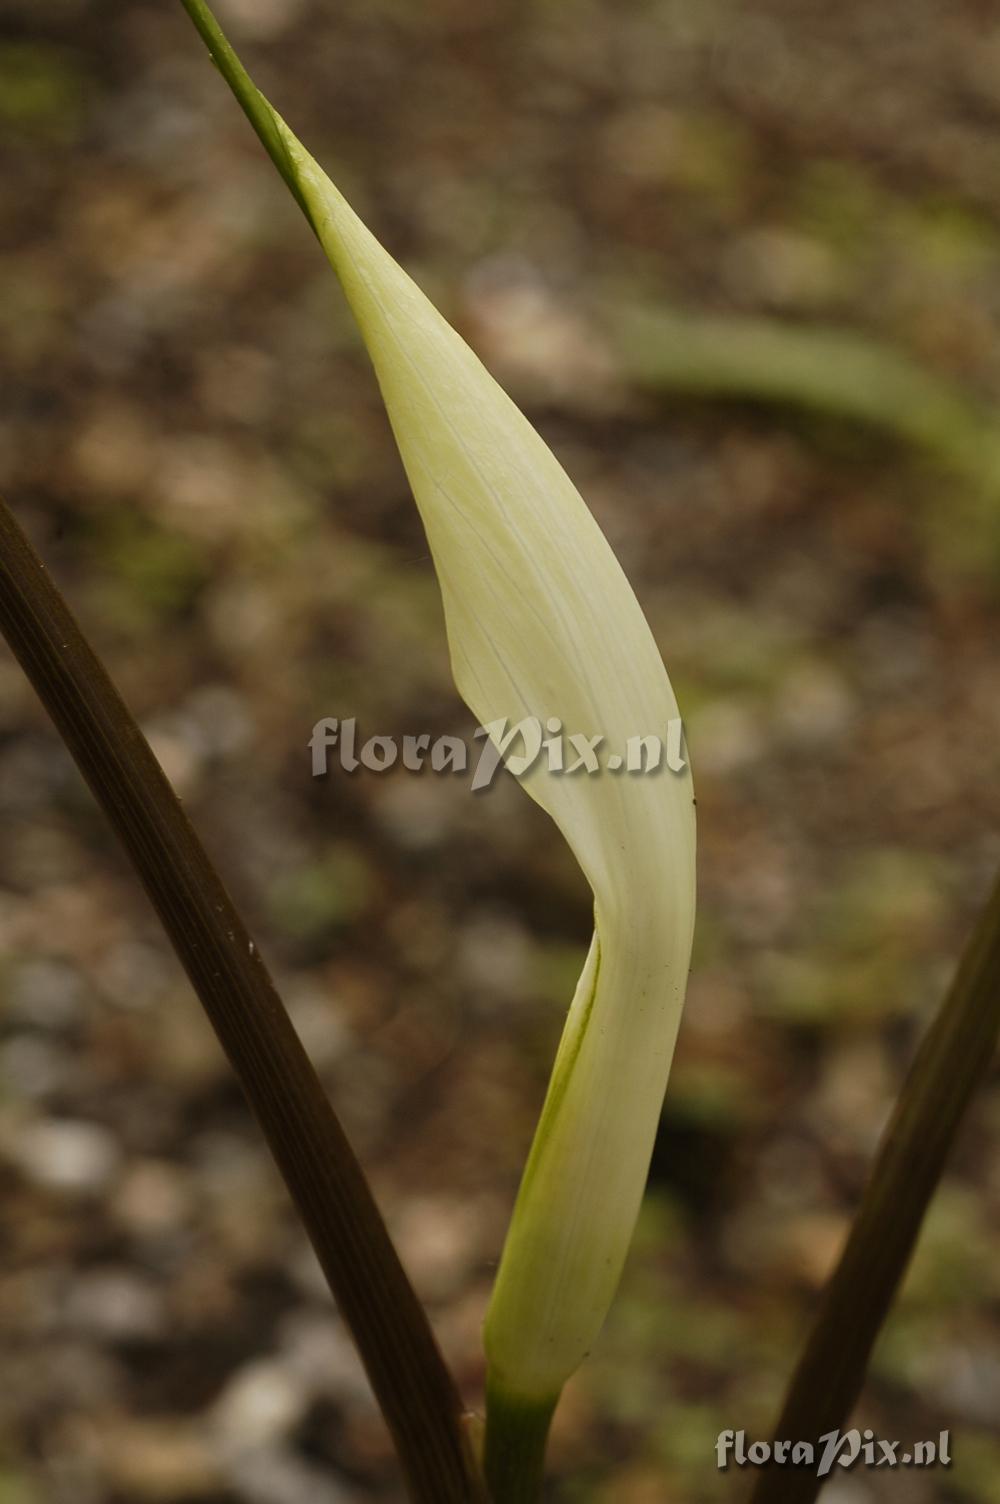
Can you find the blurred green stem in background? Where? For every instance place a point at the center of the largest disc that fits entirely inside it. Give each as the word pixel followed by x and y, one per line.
pixel 952 1061
pixel 327 1184
pixel 814 366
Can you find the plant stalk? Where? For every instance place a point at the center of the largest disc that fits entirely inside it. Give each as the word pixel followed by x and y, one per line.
pixel 517 1431
pixel 951 1063
pixel 411 1382
pixel 249 98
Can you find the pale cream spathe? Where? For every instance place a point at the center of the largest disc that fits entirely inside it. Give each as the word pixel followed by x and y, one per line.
pixel 541 621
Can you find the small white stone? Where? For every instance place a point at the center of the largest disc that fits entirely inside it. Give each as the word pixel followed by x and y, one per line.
pixel 260 1405
pixel 65 1154
pixel 117 1305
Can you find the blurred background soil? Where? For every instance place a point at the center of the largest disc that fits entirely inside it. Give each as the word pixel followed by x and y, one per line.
pixel 192 434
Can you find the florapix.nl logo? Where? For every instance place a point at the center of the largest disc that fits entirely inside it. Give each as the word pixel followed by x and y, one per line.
pixel 519 747
pixel 845 1449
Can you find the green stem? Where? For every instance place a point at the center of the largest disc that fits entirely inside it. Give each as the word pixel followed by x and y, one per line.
pixel 328 1186
pixel 517 1431
pixel 952 1061
pixel 251 101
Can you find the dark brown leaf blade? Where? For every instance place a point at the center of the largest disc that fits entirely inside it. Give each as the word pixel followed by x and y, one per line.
pixel 407 1372
pixel 950 1065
